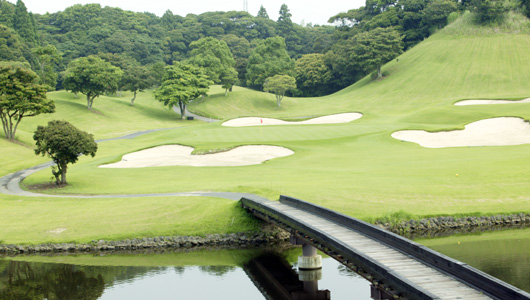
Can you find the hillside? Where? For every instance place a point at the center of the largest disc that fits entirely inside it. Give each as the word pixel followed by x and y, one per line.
pixel 461 61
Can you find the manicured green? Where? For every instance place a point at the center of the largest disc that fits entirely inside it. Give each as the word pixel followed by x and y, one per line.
pixel 355 168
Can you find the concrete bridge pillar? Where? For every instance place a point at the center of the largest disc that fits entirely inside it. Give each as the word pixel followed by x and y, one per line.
pixel 309 272
pixel 309 260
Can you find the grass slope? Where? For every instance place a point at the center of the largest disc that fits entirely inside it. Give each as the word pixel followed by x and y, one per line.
pixel 355 168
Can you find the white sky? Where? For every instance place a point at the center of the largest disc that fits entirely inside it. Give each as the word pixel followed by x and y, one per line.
pixel 309 11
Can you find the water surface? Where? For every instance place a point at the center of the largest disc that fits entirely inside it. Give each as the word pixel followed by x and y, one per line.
pixel 504 254
pixel 219 274
pixel 227 273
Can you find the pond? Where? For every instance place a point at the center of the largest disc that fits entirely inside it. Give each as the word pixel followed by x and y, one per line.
pixel 233 273
pixel 504 253
pixel 204 274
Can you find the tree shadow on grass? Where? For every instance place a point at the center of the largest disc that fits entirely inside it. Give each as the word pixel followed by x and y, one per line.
pixel 44 186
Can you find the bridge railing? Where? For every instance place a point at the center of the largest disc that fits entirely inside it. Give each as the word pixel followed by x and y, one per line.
pixel 480 280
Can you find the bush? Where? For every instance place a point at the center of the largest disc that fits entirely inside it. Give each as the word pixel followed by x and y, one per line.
pixel 453 16
pixel 488 11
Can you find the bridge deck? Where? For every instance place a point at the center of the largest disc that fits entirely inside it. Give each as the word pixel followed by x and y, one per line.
pixel 438 284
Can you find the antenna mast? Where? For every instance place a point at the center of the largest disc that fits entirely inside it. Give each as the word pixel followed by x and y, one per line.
pixel 245 5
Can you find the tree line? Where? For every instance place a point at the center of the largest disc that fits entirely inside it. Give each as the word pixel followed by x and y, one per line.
pixel 322 59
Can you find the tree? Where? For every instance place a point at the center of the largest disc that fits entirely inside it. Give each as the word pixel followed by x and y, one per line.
pixel 240 48
pixel 63 143
pixel 437 11
pixel 181 84
pixel 91 76
pixel 262 13
pixel 525 7
pixel 213 56
pixel 47 59
pixel 488 10
pixel 228 79
pixel 269 58
pixel 7 13
pixel 312 74
pixel 20 97
pixel 285 24
pixel 288 31
pixel 136 78
pixel 11 48
pixel 376 47
pixel 23 23
pixel 279 84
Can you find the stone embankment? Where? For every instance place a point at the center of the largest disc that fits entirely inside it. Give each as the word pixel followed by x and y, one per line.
pixel 233 239
pixel 451 223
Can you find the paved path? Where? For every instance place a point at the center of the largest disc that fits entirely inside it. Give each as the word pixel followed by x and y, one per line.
pixel 197 117
pixel 134 135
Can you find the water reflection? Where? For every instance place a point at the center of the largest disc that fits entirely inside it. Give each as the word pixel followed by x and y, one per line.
pixel 23 280
pixel 189 279
pixel 223 274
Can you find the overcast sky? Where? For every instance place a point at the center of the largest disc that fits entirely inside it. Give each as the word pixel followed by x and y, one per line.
pixel 308 11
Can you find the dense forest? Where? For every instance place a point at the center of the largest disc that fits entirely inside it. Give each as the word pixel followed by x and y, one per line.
pixel 323 59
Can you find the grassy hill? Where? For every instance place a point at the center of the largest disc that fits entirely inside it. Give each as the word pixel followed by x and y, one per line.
pixel 355 168
pixel 462 61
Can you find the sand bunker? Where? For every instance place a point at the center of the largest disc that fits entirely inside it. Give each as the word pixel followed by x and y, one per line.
pixel 176 155
pixel 256 121
pixel 482 102
pixel 502 131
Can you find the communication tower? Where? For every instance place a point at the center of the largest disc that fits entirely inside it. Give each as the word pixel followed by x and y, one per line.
pixel 245 5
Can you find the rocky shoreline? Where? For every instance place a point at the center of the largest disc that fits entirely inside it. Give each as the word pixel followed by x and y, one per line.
pixel 166 242
pixel 430 226
pixel 452 223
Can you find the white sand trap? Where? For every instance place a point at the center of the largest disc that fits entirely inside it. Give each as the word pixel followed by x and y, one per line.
pixel 482 102
pixel 502 131
pixel 331 119
pixel 176 155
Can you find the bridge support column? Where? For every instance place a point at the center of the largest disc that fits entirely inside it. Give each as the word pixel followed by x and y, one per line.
pixel 378 294
pixel 309 260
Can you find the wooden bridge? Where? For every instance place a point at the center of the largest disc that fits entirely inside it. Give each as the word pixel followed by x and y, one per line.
pixel 398 267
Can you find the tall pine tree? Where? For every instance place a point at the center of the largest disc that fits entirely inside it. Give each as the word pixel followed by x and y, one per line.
pixel 262 13
pixel 7 13
pixel 24 25
pixel 288 31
